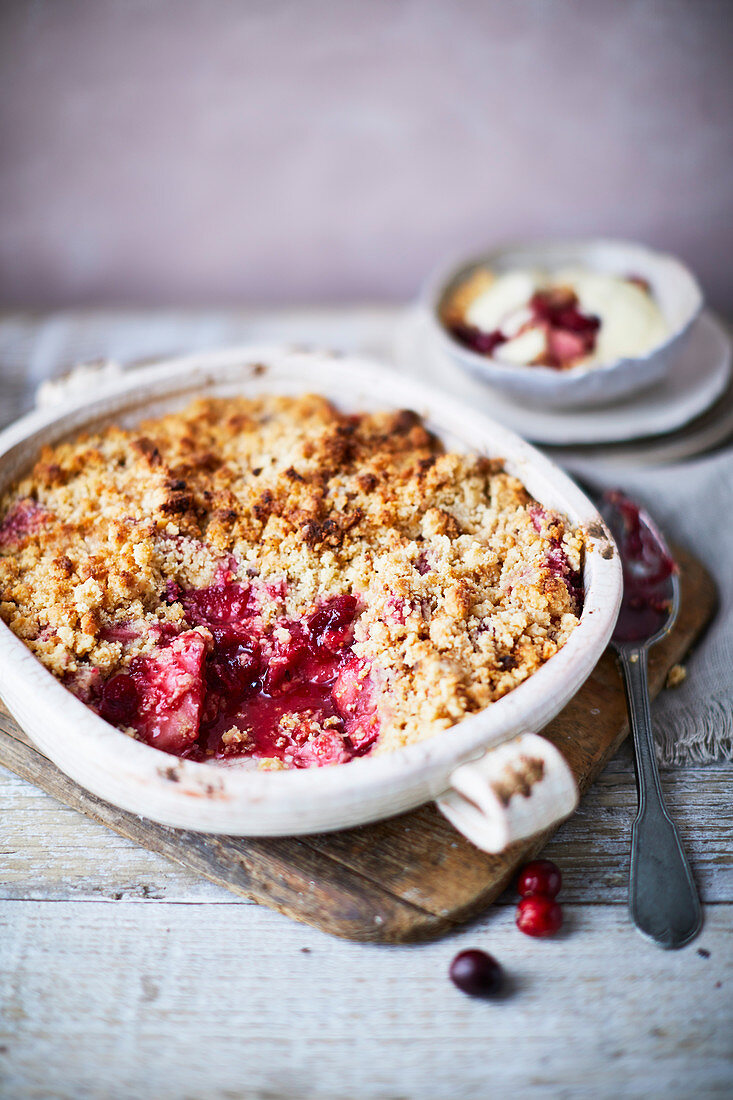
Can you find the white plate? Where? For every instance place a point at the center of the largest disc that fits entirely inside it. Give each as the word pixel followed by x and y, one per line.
pixel 696 379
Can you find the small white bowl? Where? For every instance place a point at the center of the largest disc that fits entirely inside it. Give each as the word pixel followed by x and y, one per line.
pixel 674 287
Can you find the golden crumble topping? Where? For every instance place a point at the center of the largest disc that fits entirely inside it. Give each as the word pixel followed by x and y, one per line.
pixel 144 557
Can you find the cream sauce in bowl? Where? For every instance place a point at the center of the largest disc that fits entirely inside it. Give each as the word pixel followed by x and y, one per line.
pixel 574 316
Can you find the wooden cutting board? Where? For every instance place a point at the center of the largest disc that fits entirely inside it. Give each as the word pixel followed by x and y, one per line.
pixel 408 878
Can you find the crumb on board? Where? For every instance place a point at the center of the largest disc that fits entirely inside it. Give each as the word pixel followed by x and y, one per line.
pixel 676 675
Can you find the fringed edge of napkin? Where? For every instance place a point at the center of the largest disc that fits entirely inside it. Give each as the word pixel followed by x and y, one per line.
pixel 696 736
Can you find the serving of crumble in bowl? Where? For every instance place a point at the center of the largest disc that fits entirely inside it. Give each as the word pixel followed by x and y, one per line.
pixel 564 324
pixel 263 591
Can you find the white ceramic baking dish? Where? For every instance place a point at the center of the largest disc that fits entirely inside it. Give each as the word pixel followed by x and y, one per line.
pixel 495 780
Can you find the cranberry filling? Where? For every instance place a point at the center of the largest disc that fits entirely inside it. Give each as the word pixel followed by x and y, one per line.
pixel 485 343
pixel 557 559
pixel 570 334
pixel 559 566
pixel 294 691
pixel 23 518
pixel 161 696
pixel 332 626
pixel 422 565
pixel 120 632
pixel 120 700
pixel 641 282
pixel 220 603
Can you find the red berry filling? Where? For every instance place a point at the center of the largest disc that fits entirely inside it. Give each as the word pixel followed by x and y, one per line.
pixel 161 696
pixel 485 343
pixel 25 517
pixel 557 559
pixel 559 566
pixel 570 334
pixel 294 691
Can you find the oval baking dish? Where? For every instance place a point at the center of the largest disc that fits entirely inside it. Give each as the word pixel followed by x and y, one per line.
pixel 477 770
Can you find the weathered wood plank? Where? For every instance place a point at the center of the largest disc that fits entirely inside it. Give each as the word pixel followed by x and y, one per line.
pixel 407 878
pixel 169 1001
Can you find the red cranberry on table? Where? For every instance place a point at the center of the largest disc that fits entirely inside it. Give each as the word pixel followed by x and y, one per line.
pixel 476 973
pixel 539 916
pixel 541 876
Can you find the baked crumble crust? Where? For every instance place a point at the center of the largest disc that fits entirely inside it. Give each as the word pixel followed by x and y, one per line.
pixel 465 585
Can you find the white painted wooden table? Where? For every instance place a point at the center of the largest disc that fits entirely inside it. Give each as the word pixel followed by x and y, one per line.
pixel 123 976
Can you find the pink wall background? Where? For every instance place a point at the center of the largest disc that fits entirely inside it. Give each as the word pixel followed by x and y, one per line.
pixel 193 151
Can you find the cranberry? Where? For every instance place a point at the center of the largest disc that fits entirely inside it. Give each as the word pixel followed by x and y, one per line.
pixel 234 669
pixel 476 973
pixel 539 916
pixel 575 321
pixel 541 876
pixel 120 700
pixel 330 626
pixel 483 342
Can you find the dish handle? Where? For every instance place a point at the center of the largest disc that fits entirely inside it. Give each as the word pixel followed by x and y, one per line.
pixel 519 788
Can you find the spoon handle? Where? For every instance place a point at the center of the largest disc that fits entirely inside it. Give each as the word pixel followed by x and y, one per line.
pixel 663 899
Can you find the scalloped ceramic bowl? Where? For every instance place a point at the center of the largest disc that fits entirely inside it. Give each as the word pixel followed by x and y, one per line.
pixel 674 287
pixel 495 780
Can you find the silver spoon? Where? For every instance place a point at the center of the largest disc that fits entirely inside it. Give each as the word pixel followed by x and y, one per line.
pixel 663 899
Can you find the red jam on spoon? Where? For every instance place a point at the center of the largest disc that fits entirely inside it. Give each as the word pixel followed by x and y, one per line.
pixel 647 568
